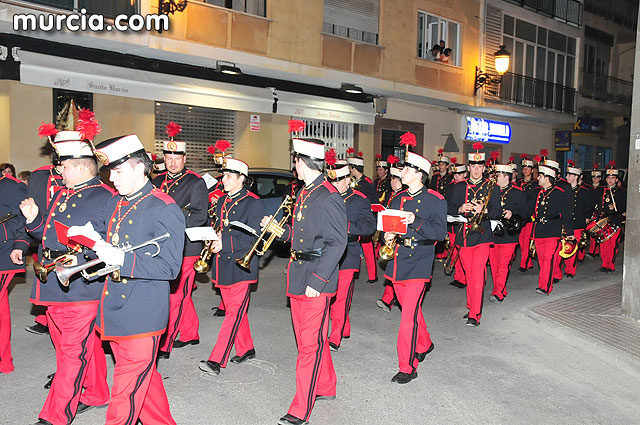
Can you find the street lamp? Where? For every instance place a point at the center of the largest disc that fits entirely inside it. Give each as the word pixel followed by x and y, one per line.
pixel 501 60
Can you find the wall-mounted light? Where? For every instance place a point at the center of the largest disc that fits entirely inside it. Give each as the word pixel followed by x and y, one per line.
pixel 351 88
pixel 501 60
pixel 172 6
pixel 228 68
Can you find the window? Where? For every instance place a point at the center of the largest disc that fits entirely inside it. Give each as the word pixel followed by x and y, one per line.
pixel 335 135
pixel 354 19
pixel 252 7
pixel 438 39
pixel 201 127
pixel 109 9
pixel 391 144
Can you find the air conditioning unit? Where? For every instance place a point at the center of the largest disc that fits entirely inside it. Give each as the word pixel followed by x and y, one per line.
pixel 381 105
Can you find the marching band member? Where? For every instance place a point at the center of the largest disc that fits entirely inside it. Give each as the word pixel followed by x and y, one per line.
pixel 551 215
pixel 134 303
pixel 503 250
pixel 360 222
pixel 363 184
pixel 189 191
pixel 383 180
pixel 459 173
pixel 582 210
pixel 72 309
pixel 13 192
pixel 439 183
pixel 318 238
pixel 596 176
pixel 476 200
pixel 612 203
pixel 233 281
pixel 411 267
pixel 386 302
pixel 529 186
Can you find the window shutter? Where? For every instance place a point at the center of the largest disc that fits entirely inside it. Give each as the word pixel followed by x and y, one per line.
pixel 493 37
pixel 360 15
pixel 336 135
pixel 201 127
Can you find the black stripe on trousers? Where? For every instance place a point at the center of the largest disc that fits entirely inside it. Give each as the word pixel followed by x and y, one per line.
pixel 185 292
pixel 3 280
pixel 77 383
pixel 318 361
pixel 414 333
pixel 347 307
pixel 615 248
pixel 553 262
pixel 236 325
pixel 139 381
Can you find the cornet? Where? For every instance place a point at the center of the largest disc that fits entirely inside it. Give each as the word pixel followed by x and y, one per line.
pixel 388 251
pixel 275 228
pixel 202 265
pixel 64 273
pixel 41 271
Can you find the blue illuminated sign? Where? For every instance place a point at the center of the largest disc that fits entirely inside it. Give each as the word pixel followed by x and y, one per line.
pixel 481 130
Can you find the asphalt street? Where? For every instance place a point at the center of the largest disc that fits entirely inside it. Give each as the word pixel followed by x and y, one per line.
pixel 515 368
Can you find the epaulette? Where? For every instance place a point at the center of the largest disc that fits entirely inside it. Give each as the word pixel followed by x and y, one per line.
pixel 109 188
pixel 194 173
pixel 435 193
pixel 10 177
pixel 331 188
pixel 162 196
pixel 251 194
pixel 368 180
pixel 360 194
pixel 517 187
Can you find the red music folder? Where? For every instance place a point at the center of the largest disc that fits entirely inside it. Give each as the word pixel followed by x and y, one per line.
pixel 391 221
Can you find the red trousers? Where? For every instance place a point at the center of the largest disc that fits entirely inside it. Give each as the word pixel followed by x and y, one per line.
pixel 413 336
pixel 389 293
pixel 547 249
pixel 182 313
pixel 609 251
pixel 80 362
pixel 42 319
pixel 137 391
pixel 525 236
pixel 474 262
pixel 340 306
pixel 570 264
pixel 235 326
pixel 314 368
pixel 6 361
pixel 370 259
pixel 500 258
pixel 557 263
pixel 458 270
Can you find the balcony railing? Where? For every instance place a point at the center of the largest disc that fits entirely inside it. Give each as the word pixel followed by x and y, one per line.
pixel 605 88
pixel 110 9
pixel 527 91
pixel 623 12
pixel 568 11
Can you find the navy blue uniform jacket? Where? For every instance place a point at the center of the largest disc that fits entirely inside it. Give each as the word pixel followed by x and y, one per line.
pixel 514 199
pixel 360 223
pixel 322 226
pixel 415 263
pixel 12 192
pixel 552 214
pixel 466 191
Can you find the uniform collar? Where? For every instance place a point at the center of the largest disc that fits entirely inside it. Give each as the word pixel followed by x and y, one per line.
pixel 91 181
pixel 316 182
pixel 238 194
pixel 178 174
pixel 145 189
pixel 347 192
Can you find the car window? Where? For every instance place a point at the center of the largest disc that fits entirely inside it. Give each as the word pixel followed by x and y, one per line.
pixel 269 186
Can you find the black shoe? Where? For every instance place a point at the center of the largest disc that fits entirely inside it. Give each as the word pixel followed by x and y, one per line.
pixel 48 384
pixel 421 356
pixel 84 407
pixel 291 420
pixel 333 347
pixel 571 276
pixel 209 367
pixel 610 271
pixel 217 312
pixel 404 378
pixel 522 269
pixel 251 354
pixel 556 280
pixel 542 291
pixel 42 422
pixel 163 354
pixel 466 316
pixel 325 397
pixel 37 329
pixel 457 284
pixel 603 269
pixel 472 322
pixel 372 280
pixel 179 344
pixel 383 305
pixel 346 337
pixel 495 299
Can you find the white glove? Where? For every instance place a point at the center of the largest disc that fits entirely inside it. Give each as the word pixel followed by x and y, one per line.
pixel 109 254
pixel 87 231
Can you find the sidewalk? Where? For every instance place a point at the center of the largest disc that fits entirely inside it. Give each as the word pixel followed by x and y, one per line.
pixel 522 365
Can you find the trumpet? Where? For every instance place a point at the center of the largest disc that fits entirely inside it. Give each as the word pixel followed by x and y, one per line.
pixel 41 271
pixel 475 224
pixel 276 230
pixel 353 183
pixel 64 273
pixel 388 251
pixel 202 265
pixel 450 261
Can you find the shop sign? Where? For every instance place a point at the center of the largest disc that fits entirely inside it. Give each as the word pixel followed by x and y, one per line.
pixel 254 123
pixel 589 125
pixel 482 130
pixel 563 140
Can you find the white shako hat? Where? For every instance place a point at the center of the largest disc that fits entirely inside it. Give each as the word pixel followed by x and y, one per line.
pixel 574 170
pixel 547 171
pixel 417 161
pixel 68 144
pixel 611 172
pixel 236 166
pixel 551 163
pixel 527 163
pixel 458 168
pixel 311 148
pixel 503 168
pixel 444 159
pixel 395 172
pixel 596 173
pixel 158 164
pixel 113 152
pixel 173 146
pixel 514 167
pixel 341 170
pixel 381 163
pixel 355 160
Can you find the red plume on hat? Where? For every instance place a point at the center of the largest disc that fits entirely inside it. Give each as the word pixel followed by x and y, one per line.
pixel 378 156
pixel 440 151
pixel 454 159
pixel 571 163
pixel 544 153
pixel 611 164
pixel 211 149
pixel 222 145
pixel 88 129
pixel 523 155
pixel 537 158
pixel 511 158
pixel 360 154
pixel 392 159
pixel 154 157
pixel 350 151
pixel 477 146
pixel 495 155
pixel 296 126
pixel 408 139
pixel 86 114
pixel 330 157
pixel 173 129
pixel 47 130
pixel 595 165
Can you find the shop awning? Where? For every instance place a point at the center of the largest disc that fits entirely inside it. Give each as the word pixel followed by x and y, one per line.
pixel 71 74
